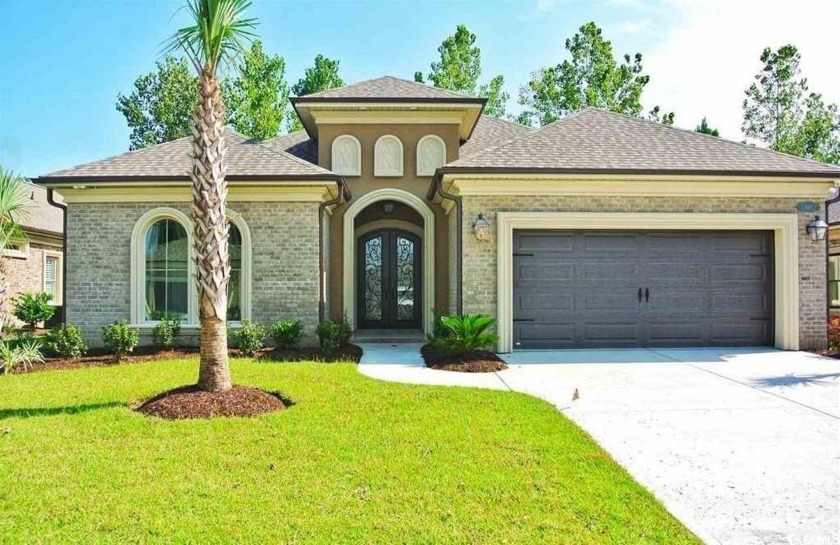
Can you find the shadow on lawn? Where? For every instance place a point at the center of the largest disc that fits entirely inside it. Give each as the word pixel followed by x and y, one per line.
pixel 50 411
pixel 818 379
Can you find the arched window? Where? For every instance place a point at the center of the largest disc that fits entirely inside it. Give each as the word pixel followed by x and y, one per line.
pixel 431 155
pixel 388 156
pixel 166 280
pixel 346 156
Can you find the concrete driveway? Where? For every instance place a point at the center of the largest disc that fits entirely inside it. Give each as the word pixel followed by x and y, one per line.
pixel 742 445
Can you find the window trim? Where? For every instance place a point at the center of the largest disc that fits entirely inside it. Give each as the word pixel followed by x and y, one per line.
pixel 833 258
pixel 57 299
pixel 377 168
pixel 21 252
pixel 138 266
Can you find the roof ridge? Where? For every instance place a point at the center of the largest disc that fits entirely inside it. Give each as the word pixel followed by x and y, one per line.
pixel 450 91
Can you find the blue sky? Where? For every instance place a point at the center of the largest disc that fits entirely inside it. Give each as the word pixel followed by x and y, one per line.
pixel 63 62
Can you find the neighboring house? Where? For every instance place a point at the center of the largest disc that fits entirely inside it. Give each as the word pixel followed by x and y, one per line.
pixel 833 218
pixel 400 199
pixel 35 262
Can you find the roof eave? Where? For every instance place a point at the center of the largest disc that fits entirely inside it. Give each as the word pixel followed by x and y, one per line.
pixel 638 172
pixel 69 180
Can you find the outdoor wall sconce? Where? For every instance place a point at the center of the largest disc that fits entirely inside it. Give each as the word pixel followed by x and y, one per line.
pixel 481 228
pixel 816 229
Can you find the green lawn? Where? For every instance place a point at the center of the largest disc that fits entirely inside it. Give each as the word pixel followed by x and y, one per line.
pixel 355 461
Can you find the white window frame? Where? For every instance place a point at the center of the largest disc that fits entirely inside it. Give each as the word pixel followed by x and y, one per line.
pixel 138 266
pixel 833 261
pixel 355 170
pixel 17 248
pixel 57 299
pixel 431 171
pixel 378 168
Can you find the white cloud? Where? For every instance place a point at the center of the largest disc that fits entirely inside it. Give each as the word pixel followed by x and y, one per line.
pixel 709 55
pixel 630 27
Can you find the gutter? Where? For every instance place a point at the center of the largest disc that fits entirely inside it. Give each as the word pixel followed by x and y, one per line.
pixel 51 200
pixel 344 195
pixel 436 188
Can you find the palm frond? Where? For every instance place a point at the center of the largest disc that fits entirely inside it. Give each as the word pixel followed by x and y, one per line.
pixel 14 206
pixel 219 36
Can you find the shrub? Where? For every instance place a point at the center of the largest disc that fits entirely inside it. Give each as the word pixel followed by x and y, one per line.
pixel 467 333
pixel 438 329
pixel 333 335
pixel 33 308
pixel 166 331
pixel 120 339
pixel 287 333
pixel 249 337
pixel 65 340
pixel 23 355
pixel 834 335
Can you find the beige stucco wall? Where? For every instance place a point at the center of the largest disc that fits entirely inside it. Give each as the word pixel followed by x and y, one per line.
pixel 480 259
pixel 284 262
pixel 367 135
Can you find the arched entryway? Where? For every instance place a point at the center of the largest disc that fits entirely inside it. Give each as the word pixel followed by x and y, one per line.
pixel 389 261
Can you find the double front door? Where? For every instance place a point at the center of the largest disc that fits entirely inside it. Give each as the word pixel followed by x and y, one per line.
pixel 388 280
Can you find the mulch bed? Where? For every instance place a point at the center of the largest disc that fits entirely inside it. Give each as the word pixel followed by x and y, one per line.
pixel 190 402
pixel 478 361
pixel 349 352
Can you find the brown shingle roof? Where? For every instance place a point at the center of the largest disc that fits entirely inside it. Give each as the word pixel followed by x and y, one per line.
pixel 245 157
pixel 389 87
pixel 600 141
pixel 491 132
pixel 298 144
pixel 40 216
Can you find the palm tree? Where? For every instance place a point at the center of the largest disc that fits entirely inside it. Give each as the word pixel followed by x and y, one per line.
pixel 13 209
pixel 218 35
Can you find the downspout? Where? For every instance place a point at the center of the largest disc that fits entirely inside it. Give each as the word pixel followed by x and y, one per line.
pixel 343 196
pixel 63 207
pixel 437 189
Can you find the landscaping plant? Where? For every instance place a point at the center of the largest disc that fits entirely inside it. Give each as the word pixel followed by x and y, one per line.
pixel 287 333
pixel 13 209
pixel 165 334
pixel 33 308
pixel 23 355
pixel 66 340
pixel 120 339
pixel 467 333
pixel 249 338
pixel 834 335
pixel 333 335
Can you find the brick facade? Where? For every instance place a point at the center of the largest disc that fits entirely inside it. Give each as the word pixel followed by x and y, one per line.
pixel 26 274
pixel 479 258
pixel 284 279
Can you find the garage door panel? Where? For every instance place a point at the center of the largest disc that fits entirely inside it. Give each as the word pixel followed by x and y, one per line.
pixel 581 289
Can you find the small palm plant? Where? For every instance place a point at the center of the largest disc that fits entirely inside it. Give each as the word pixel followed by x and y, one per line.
pixel 216 36
pixel 467 333
pixel 13 209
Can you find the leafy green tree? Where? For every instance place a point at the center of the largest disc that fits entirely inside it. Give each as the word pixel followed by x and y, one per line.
pixel 704 128
pixel 160 108
pixel 256 99
pixel 216 35
pixel 779 111
pixel 459 69
pixel 655 115
pixel 590 77
pixel 321 76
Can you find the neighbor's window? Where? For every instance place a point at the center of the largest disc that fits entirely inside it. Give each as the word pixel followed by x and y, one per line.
pixel 52 276
pixel 834 281
pixel 234 310
pixel 167 264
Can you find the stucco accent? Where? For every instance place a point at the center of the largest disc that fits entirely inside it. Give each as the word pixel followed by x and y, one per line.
pixel 346 156
pixel 388 156
pixel 431 154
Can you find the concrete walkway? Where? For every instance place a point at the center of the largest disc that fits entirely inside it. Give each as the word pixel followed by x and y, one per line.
pixel 742 445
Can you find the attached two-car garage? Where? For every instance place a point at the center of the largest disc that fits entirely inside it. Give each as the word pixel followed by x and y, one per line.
pixel 614 288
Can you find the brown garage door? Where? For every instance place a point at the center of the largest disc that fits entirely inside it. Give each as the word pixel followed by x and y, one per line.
pixel 584 289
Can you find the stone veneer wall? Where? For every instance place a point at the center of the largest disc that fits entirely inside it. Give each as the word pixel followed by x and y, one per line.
pixel 479 259
pixel 284 256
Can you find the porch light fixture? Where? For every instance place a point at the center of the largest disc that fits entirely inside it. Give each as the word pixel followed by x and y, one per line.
pixel 816 229
pixel 481 228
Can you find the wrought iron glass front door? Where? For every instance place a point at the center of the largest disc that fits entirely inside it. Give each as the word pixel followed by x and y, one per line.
pixel 389 265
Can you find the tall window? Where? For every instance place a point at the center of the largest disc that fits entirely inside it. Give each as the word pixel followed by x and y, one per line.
pixel 52 277
pixel 834 281
pixel 167 265
pixel 234 310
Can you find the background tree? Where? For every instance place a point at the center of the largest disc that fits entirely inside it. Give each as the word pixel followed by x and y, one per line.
pixel 256 98
pixel 704 128
pixel 161 106
pixel 590 77
pixel 655 115
pixel 459 69
pixel 779 112
pixel 321 76
pixel 215 36
pixel 13 210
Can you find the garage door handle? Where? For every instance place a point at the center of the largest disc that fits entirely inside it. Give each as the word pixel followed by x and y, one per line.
pixel 640 295
pixel 523 319
pixel 647 295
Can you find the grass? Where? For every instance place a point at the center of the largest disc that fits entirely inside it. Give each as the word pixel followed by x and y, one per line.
pixel 354 461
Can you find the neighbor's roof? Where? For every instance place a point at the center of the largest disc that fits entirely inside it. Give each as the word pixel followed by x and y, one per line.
pixel 389 88
pixel 40 216
pixel 597 141
pixel 246 158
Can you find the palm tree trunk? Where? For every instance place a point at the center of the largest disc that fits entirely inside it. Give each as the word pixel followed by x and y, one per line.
pixel 4 292
pixel 211 234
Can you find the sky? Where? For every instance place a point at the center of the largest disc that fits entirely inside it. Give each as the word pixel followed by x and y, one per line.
pixel 63 62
